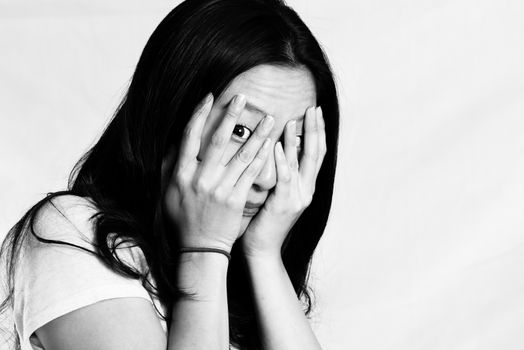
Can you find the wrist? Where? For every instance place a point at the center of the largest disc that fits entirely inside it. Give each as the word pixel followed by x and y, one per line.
pixel 202 274
pixel 202 259
pixel 262 257
pixel 252 253
pixel 193 243
pixel 205 250
pixel 263 267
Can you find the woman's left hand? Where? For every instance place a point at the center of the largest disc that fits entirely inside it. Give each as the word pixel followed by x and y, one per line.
pixel 294 190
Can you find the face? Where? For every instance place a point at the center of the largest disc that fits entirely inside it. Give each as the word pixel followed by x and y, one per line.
pixel 283 93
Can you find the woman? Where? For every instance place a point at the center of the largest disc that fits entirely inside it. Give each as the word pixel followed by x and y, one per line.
pixel 190 227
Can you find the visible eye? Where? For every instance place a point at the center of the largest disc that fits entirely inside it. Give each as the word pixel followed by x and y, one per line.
pixel 242 131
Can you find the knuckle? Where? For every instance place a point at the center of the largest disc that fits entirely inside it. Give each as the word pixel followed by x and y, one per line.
pixel 233 201
pixel 201 186
pixel 260 132
pixel 297 208
pixel 261 155
pixel 293 164
pixel 307 200
pixel 252 170
pixel 311 155
pixel 323 151
pixel 218 139
pixel 230 114
pixel 313 127
pixel 288 209
pixel 181 177
pixel 220 194
pixel 286 178
pixel 244 155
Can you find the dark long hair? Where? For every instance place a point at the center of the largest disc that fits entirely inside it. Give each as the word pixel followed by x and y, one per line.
pixel 201 46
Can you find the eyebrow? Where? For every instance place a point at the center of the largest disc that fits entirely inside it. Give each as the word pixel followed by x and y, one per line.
pixel 253 108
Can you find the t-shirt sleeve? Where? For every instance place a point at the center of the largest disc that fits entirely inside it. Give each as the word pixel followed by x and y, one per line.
pixel 54 279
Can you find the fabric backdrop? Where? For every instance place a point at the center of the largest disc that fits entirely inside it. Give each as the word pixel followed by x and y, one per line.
pixel 425 244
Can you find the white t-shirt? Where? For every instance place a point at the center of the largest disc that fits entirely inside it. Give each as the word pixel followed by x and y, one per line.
pixel 54 279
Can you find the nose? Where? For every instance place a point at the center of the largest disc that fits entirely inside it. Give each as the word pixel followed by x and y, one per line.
pixel 267 177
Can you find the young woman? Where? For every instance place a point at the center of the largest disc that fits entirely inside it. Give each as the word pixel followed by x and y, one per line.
pixel 190 227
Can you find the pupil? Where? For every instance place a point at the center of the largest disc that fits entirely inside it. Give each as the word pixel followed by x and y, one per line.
pixel 239 130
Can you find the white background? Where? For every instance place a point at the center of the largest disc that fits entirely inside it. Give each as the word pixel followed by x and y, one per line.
pixel 425 244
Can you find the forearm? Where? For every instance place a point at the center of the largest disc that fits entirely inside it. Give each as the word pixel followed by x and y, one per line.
pixel 201 322
pixel 282 322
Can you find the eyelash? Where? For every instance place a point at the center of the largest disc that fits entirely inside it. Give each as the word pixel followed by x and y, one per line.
pixel 245 127
pixel 251 132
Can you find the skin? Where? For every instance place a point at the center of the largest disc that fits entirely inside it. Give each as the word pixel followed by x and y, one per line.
pixel 206 198
pixel 207 187
pixel 220 167
pixel 283 93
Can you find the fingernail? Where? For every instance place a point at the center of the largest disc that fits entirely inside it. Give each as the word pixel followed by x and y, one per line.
pixel 238 101
pixel 205 101
pixel 267 122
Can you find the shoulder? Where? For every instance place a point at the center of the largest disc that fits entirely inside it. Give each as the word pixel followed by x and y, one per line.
pixel 65 227
pixel 68 205
pixel 71 219
pixel 56 284
pixel 65 217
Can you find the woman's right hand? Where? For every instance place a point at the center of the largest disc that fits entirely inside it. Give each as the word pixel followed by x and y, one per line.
pixel 206 198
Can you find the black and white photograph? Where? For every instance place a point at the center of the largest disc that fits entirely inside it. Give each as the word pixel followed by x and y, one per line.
pixel 262 175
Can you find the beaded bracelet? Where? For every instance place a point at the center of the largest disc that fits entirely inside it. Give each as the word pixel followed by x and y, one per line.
pixel 204 249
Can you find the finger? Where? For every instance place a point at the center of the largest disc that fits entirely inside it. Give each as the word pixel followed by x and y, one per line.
pixel 190 143
pixel 245 155
pixel 245 180
pixel 222 135
pixel 308 162
pixel 321 139
pixel 284 174
pixel 290 142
